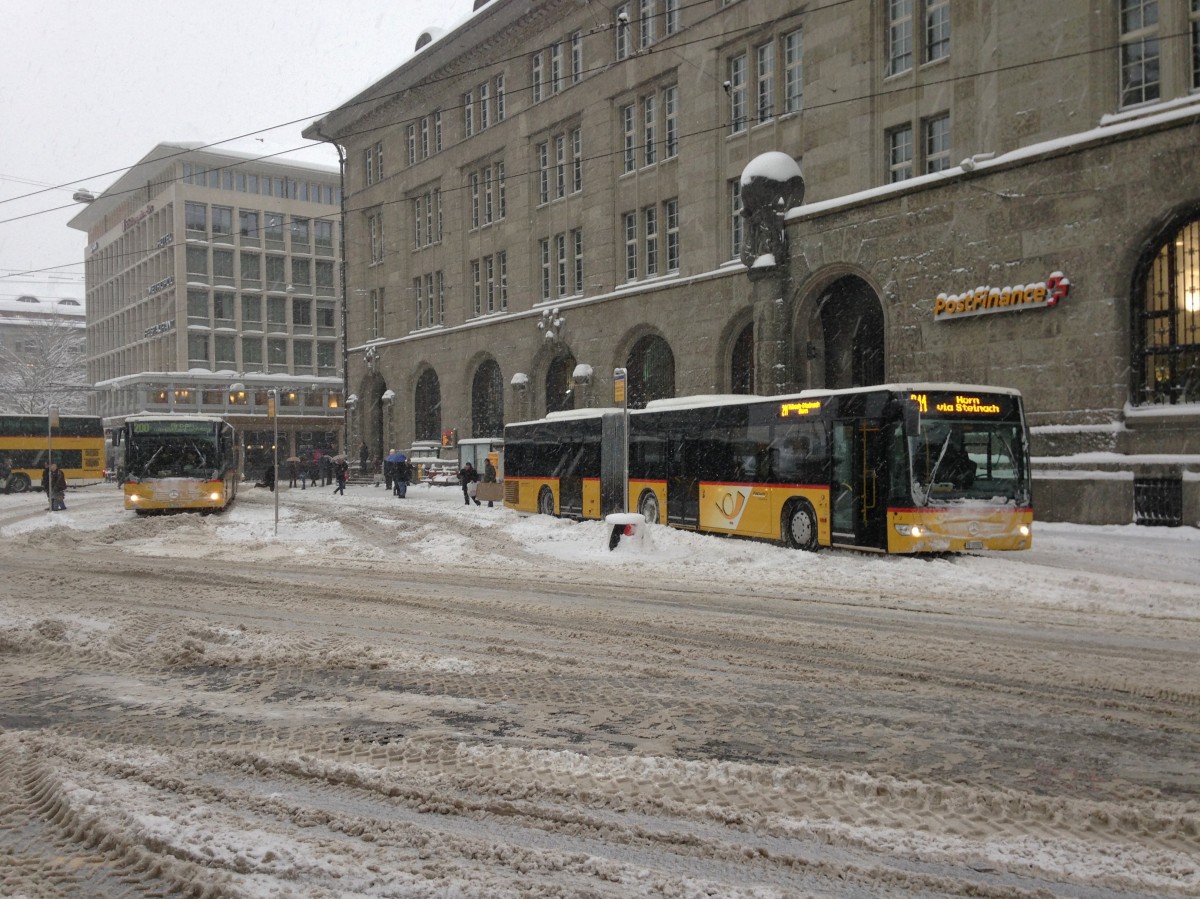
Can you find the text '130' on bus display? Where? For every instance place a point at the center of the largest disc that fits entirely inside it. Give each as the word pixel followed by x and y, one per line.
pixel 900 468
pixel 176 462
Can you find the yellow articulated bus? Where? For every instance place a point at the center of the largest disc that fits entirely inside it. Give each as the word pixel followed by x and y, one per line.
pixel 900 468
pixel 178 462
pixel 76 444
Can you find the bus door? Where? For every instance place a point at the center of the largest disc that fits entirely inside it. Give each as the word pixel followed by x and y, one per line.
pixel 683 482
pixel 570 480
pixel 859 489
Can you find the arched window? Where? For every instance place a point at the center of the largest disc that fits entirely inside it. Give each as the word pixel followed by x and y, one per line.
pixel 852 329
pixel 1167 326
pixel 741 363
pixel 559 395
pixel 651 371
pixel 427 407
pixel 487 401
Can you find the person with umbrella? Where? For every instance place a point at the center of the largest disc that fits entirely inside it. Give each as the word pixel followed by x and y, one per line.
pixel 399 468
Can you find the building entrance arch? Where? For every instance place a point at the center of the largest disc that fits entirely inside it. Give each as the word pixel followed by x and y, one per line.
pixel 845 339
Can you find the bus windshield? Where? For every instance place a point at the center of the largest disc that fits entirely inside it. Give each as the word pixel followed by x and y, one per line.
pixel 968 460
pixel 171 456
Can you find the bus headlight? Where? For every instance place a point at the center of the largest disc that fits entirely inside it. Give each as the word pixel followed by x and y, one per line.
pixel 1025 530
pixel 215 496
pixel 909 530
pixel 134 498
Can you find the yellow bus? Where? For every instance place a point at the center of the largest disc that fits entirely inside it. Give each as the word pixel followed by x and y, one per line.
pixel 76 442
pixel 178 462
pixel 900 468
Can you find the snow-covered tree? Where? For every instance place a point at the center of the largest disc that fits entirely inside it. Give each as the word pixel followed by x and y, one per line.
pixel 50 371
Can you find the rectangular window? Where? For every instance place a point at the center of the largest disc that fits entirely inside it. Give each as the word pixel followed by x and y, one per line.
pixel 369 166
pixel 576 160
pixel 476 288
pixel 499 83
pixel 674 22
pixel 226 347
pixel 631 246
pixel 419 295
pixel 489 282
pixel 899 36
pixel 195 218
pixel 376 311
pixel 576 57
pixel 428 218
pixel 560 246
pixel 410 140
pixel 418 217
pixel 937 143
pixel 649 130
pixel 900 154
pixel 251 352
pixel 485 112
pixel 543 165
pixel 300 235
pixel 302 355
pixel 650 218
pixel 277 354
pixel 375 235
pixel 556 67
pixel 766 81
pixel 277 313
pixel 276 272
pixel 737 94
pixel 222 221
pixel 251 266
pixel 671 211
pixel 1195 44
pixel 324 278
pixel 326 353
pixel 488 196
pixel 302 313
pixel 441 299
pixel 248 225
pixel 736 221
pixel 629 128
pixel 324 234
pixel 197 307
pixel 474 182
pixel 577 250
pixel 223 313
pixel 197 262
pixel 501 202
pixel 468 102
pixel 425 137
pixel 560 166
pixel 198 351
pixel 274 228
pixel 535 78
pixel 252 312
pixel 544 249
pixel 326 314
pixel 937 29
pixel 301 272
pixel 437 132
pixel 1139 52
pixel 622 17
pixel 793 72
pixel 646 23
pixel 671 122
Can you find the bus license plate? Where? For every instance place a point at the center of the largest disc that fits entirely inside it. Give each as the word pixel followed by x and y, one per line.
pixel 974 544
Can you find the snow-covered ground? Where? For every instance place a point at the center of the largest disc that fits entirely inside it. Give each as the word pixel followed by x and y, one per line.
pixel 420 698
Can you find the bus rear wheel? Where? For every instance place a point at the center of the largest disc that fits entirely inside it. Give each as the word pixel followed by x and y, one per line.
pixel 799 526
pixel 648 506
pixel 546 501
pixel 19 483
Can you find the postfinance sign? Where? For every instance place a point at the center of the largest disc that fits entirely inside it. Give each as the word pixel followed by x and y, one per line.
pixel 985 299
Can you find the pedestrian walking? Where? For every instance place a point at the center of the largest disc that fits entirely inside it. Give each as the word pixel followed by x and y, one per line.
pixel 401 475
pixel 292 472
pixel 468 477
pixel 389 470
pixel 341 477
pixel 326 471
pixel 364 456
pixel 489 476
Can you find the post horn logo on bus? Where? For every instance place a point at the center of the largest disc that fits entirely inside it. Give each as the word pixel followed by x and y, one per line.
pixel 985 300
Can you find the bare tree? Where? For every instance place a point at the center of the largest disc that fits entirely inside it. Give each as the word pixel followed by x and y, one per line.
pixel 51 370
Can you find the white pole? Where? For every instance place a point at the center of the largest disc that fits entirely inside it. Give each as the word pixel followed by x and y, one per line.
pixel 274 393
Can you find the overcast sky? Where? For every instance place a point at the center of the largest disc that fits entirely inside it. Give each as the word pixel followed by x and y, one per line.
pixel 87 88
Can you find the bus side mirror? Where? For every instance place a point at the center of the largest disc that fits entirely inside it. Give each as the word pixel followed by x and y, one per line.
pixel 912 419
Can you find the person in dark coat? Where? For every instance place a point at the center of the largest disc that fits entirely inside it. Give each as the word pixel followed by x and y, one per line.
pixel 342 469
pixel 489 476
pixel 467 475
pixel 326 471
pixel 364 456
pixel 54 482
pixel 269 478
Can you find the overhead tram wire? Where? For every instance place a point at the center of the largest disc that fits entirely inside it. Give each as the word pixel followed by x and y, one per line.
pixel 405 121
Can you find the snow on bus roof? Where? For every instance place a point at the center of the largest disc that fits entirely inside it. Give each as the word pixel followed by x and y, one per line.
pixel 173 416
pixel 731 399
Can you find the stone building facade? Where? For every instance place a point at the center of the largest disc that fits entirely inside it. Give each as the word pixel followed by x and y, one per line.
pixel 551 191
pixel 213 279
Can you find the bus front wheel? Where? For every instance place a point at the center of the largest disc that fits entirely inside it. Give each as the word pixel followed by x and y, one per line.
pixel 19 483
pixel 648 506
pixel 800 526
pixel 546 501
